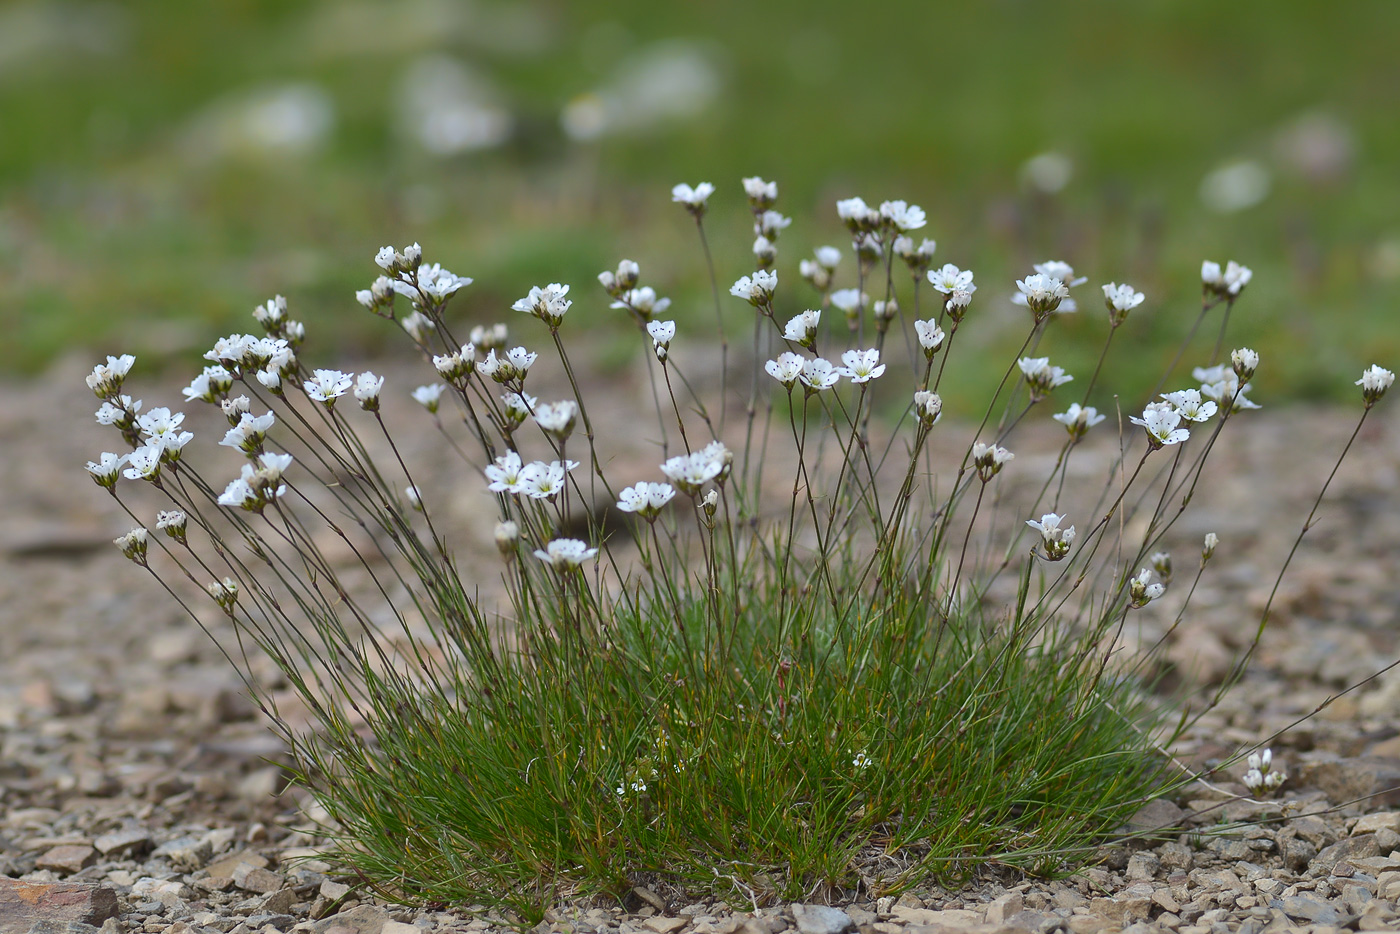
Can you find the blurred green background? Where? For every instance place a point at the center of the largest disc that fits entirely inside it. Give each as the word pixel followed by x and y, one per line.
pixel 165 165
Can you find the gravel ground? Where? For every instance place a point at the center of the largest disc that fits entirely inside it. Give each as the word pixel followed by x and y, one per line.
pixel 132 760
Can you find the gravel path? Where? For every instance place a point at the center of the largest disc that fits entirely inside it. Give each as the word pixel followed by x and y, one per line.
pixel 132 760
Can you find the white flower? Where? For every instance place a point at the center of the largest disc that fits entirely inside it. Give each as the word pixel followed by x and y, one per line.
pixel 861 761
pixel 771 224
pixel 565 554
pixel 367 389
pixel 257 486
pixel 106 379
pixel 133 545
pixel 643 301
pixel 1212 541
pixel 761 194
pixel 413 255
pixel 247 436
pixel 1055 539
pixel 1221 384
pixel 691 471
pixel 207 386
pixel 802 329
pixel 504 474
pixel 455 366
pixel 233 350
pixel 819 374
pixel 122 414
pixel 951 279
pixel 172 522
pixel 928 407
pixel 662 332
pixel 1188 404
pixel 917 258
pixel 386 259
pixel 557 418
pixel 1236 277
pixel 521 359
pixel 1078 419
pixel 902 216
pixel 861 366
pixel 756 290
pixel 1374 382
pixel 428 396
pixel 618 282
pixel 497 335
pixel 434 282
pixel 160 422
pixel 107 469
pixel 857 215
pixel 989 459
pixel 645 499
pixel 1140 592
pixel 518 406
pixel 693 198
pixel 1245 362
pixel 144 463
pixel 543 481
pixel 930 336
pixel 1041 293
pixel 828 257
pixel 224 593
pixel 507 534
pixel 1159 420
pixel 787 369
pixel 1041 377
pixel 325 386
pixel 548 303
pixel 1211 277
pixel 417 325
pixel 1120 300
pixel 271 380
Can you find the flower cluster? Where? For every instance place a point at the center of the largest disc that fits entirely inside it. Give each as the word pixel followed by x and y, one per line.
pixel 689 472
pixel 1227 284
pixel 536 480
pixel 1055 539
pixel 1261 777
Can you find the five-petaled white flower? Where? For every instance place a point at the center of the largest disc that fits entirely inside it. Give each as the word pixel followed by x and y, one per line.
pixel 429 396
pixel 645 499
pixel 1140 592
pixel 1160 421
pixel 819 374
pixel 693 198
pixel 367 389
pixel 548 303
pixel 691 471
pixel 1374 382
pixel 1042 294
pixel 557 418
pixel 1188 403
pixel 1055 539
pixel 756 289
pixel 951 279
pixel 504 474
pixel 1078 419
pixel 902 216
pixel 930 336
pixel 247 436
pixel 107 469
pixel 643 301
pixel 850 301
pixel 1120 299
pixel 771 224
pixel 565 554
pixel 543 481
pixel 326 386
pixel 209 385
pixel 787 369
pixel 105 380
pixel 761 194
pixel 861 366
pixel 802 329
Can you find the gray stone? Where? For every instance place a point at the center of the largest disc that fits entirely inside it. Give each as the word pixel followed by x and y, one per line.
pixel 664 925
pixel 62 927
pixel 1034 922
pixel 250 878
pixel 67 859
pixel 1363 779
pixel 128 841
pixel 186 853
pixel 821 919
pixel 1004 907
pixel 1307 908
pixel 1349 849
pixel 1143 867
pixel 362 919
pixel 1297 854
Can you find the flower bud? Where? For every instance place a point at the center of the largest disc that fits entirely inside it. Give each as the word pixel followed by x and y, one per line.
pixel 507 535
pixel 1208 549
pixel 1244 361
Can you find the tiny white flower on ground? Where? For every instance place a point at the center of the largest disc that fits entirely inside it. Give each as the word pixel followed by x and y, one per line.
pixel 693 198
pixel 1374 382
pixel 861 762
pixel 1078 419
pixel 1160 421
pixel 565 554
pixel 1055 539
pixel 861 366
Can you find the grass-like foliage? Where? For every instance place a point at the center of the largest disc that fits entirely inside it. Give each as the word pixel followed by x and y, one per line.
pixel 808 662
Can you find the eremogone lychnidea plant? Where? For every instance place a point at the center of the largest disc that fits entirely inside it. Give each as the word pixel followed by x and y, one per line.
pixel 767 684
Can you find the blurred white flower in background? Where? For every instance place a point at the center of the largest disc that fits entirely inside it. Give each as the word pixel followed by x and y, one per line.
pixel 663 83
pixel 269 122
pixel 1048 172
pixel 447 109
pixel 1236 186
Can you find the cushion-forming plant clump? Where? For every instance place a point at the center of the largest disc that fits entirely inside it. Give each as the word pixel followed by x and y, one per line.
pixel 788 684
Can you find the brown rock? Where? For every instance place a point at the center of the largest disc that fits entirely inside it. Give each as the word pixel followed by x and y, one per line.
pixel 24 903
pixel 67 859
pixel 362 919
pixel 665 925
pixel 1159 814
pixel 1367 780
pixel 252 879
